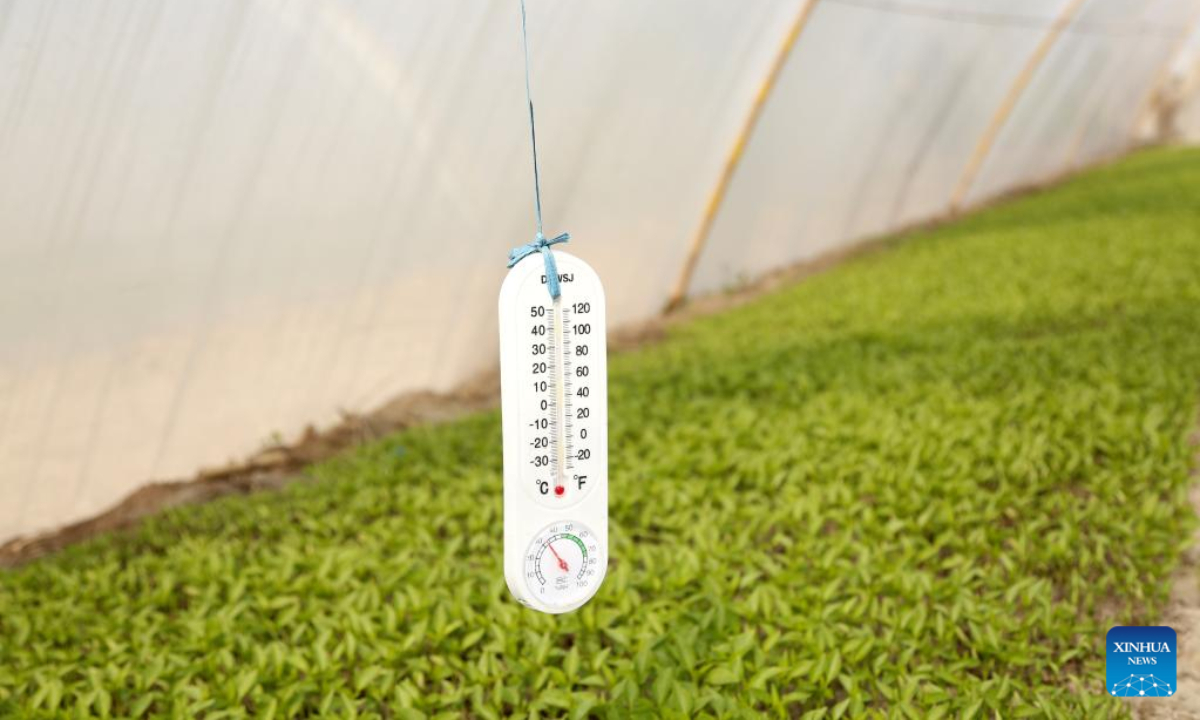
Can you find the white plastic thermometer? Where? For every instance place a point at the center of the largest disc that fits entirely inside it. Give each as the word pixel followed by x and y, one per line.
pixel 554 374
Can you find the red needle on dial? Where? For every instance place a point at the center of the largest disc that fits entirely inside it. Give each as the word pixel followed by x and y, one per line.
pixel 562 564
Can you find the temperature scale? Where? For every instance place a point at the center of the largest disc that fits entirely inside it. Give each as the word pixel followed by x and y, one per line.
pixel 554 370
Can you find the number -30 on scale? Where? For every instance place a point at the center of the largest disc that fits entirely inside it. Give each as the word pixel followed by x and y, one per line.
pixel 555 403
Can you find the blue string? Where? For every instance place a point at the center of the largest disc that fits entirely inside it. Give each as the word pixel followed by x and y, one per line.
pixel 540 243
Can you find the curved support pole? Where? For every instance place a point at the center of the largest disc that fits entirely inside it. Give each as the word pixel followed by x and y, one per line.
pixel 984 147
pixel 1163 75
pixel 734 158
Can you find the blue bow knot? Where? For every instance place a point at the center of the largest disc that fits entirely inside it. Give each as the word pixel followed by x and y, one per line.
pixel 541 245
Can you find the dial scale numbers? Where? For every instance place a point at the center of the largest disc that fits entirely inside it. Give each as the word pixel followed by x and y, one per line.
pixel 562 565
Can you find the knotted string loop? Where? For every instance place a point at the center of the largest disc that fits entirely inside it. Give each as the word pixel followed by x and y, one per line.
pixel 541 245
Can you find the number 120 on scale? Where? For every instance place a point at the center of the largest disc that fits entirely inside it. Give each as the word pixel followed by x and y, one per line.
pixel 559 456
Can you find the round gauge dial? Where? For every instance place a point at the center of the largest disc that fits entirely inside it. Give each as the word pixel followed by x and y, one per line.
pixel 564 565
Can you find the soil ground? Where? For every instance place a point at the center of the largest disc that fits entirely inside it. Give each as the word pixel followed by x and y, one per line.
pixel 1183 615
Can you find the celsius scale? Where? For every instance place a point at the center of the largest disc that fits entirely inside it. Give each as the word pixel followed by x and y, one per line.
pixel 553 369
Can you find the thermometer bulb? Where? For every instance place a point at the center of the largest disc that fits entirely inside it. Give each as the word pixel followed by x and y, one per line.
pixel 559 362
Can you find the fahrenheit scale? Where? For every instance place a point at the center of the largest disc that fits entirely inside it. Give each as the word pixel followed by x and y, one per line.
pixel 554 370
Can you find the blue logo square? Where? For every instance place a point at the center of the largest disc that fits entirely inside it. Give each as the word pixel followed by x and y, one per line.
pixel 1140 662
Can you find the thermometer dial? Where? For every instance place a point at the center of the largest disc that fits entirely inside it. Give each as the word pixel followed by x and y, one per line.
pixel 553 363
pixel 564 565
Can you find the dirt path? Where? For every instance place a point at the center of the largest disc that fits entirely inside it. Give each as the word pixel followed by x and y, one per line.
pixel 1183 614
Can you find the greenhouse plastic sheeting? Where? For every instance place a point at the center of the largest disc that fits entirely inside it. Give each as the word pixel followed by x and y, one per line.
pixel 1189 120
pixel 226 221
pixel 1044 135
pixel 1187 79
pixel 869 129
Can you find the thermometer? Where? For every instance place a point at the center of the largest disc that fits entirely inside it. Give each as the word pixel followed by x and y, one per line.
pixel 553 366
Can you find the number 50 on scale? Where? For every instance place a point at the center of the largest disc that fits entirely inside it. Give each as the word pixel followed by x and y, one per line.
pixel 554 371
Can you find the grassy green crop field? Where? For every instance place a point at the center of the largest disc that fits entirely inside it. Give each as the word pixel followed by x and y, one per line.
pixel 923 484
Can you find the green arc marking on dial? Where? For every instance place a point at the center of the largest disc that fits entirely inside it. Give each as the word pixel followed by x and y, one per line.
pixel 577 541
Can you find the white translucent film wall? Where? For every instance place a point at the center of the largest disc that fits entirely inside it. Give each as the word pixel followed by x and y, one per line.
pixel 229 219
pixel 1187 79
pixel 1189 119
pixel 1084 105
pixel 221 222
pixel 883 103
pixel 869 128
